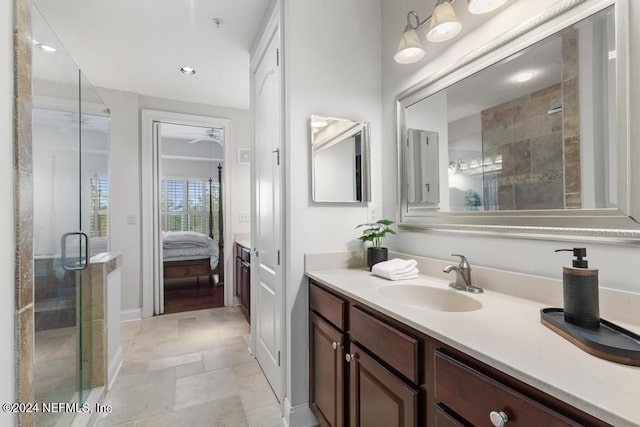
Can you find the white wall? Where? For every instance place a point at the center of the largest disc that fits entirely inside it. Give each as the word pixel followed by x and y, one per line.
pixel 126 180
pixel 124 176
pixel 55 178
pixel 332 68
pixel 334 172
pixel 7 266
pixel 521 255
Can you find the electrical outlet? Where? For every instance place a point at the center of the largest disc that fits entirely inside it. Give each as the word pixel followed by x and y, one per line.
pixel 372 212
pixel 245 217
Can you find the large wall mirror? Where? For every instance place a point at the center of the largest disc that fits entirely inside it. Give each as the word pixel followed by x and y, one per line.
pixel 531 135
pixel 339 160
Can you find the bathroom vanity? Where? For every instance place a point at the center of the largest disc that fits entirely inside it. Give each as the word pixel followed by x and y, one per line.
pixel 416 352
pixel 242 280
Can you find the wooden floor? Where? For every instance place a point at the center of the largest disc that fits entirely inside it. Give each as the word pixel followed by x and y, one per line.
pixel 185 295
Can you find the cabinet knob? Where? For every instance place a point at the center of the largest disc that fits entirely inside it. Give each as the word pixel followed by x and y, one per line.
pixel 498 419
pixel 350 356
pixel 335 345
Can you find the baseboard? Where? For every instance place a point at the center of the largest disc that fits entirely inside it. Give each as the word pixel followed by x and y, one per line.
pixel 114 367
pixel 130 315
pixel 298 416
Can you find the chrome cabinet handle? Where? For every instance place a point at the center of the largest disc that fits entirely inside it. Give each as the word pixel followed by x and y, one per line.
pixel 335 345
pixel 498 419
pixel 350 356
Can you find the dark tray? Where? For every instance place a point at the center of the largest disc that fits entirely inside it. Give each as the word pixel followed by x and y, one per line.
pixel 609 341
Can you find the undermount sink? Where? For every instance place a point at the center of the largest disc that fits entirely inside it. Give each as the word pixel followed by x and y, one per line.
pixel 429 298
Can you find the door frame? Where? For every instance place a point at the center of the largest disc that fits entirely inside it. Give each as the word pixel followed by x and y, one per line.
pixel 150 231
pixel 269 29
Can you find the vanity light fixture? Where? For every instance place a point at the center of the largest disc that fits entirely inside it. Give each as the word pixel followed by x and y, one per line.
pixel 444 26
pixel 189 71
pixel 444 23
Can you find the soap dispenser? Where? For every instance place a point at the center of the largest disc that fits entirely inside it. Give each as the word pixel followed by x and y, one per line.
pixel 580 291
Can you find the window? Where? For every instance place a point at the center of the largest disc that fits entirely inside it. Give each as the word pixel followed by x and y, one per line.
pixel 185 205
pixel 98 206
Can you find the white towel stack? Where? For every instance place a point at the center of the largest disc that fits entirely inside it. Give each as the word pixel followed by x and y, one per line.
pixel 396 269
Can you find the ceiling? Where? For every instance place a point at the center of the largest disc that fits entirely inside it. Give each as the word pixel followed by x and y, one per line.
pixel 496 84
pixel 138 46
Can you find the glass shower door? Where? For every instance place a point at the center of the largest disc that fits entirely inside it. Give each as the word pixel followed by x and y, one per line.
pixel 60 245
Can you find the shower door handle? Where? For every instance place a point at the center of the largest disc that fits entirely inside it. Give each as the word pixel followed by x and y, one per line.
pixel 81 263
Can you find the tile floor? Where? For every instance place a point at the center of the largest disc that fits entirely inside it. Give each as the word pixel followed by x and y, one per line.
pixel 190 369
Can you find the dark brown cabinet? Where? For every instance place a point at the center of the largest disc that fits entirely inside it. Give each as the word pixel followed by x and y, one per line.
pixel 242 285
pixel 367 369
pixel 374 383
pixel 327 367
pixel 377 397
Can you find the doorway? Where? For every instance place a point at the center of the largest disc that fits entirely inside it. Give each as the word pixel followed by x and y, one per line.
pixel 191 217
pixel 183 190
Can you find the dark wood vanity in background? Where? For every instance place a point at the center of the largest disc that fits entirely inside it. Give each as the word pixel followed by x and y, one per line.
pixel 242 279
pixel 367 369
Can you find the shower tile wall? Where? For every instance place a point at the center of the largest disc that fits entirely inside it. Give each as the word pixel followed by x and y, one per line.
pixel 533 145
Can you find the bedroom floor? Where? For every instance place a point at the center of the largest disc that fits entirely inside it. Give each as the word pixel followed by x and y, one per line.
pixel 182 295
pixel 190 369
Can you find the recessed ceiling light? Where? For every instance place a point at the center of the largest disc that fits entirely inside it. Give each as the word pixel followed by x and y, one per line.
pixel 524 77
pixel 46 48
pixel 188 71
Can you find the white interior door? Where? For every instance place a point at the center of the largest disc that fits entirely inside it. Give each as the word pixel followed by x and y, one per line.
pixel 267 286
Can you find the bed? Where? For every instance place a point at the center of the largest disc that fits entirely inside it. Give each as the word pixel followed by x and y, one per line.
pixel 190 254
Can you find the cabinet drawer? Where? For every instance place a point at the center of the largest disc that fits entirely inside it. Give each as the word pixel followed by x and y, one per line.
pixel 397 349
pixel 473 396
pixel 245 254
pixel 443 419
pixel 329 306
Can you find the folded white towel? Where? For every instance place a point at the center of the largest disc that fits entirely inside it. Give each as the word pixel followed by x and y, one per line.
pixel 396 269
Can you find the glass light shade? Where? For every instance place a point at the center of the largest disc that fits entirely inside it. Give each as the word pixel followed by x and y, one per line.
pixel 444 23
pixel 410 49
pixel 478 7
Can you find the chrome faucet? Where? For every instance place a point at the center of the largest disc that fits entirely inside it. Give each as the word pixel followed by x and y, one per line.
pixel 463 276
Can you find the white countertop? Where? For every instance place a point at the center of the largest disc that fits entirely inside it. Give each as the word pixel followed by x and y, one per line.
pixel 506 333
pixel 244 242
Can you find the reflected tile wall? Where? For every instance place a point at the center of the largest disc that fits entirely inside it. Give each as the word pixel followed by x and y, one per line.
pixel 571 120
pixel 540 151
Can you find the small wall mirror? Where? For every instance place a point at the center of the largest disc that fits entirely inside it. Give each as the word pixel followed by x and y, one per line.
pixel 339 160
pixel 531 137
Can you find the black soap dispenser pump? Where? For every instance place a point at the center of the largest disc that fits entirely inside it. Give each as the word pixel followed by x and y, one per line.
pixel 580 291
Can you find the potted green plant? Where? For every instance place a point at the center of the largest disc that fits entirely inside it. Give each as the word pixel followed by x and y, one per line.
pixel 374 232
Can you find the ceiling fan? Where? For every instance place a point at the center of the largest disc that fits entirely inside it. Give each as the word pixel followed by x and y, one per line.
pixel 211 134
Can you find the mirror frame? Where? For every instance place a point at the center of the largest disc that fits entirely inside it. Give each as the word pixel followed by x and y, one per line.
pixel 366 165
pixel 614 225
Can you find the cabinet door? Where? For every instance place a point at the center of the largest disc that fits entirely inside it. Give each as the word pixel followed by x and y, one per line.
pixel 245 291
pixel 377 398
pixel 238 278
pixel 326 372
